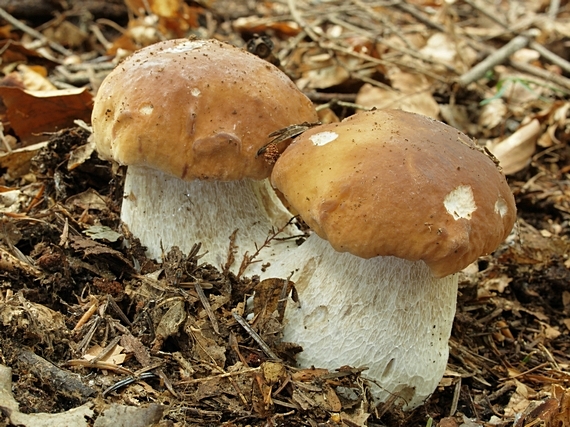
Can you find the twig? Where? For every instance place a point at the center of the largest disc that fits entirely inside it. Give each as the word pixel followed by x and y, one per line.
pixel 345 104
pixel 553 9
pixel 99 365
pixel 28 30
pixel 498 57
pixel 108 348
pixel 544 52
pixel 9 262
pixel 207 307
pixel 87 315
pixel 255 336
pixel 328 97
pixel 249 259
pixel 112 304
pixel 299 20
pixel 408 8
pixel 455 401
pixel 550 56
pixel 224 375
pixel 543 74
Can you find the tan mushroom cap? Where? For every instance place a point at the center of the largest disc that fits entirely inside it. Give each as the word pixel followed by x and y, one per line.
pixel 392 183
pixel 195 109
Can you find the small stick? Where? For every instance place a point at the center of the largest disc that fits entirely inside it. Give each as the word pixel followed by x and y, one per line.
pixel 207 307
pixel 544 52
pixel 9 262
pixel 86 316
pixel 299 20
pixel 255 336
pixel 550 77
pixel 550 56
pixel 498 57
pixel 108 348
pixel 99 365
pixel 224 375
pixel 36 34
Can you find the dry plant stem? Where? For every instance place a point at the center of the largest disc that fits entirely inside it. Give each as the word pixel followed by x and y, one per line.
pixel 385 313
pixel 299 19
pixel 412 10
pixel 268 352
pixel 206 303
pixel 549 77
pixel 553 9
pixel 86 316
pixel 30 31
pixel 498 57
pixel 544 52
pixel 550 56
pixel 163 212
pixel 9 262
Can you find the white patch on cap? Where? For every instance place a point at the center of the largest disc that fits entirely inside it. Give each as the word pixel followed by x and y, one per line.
pixel 460 202
pixel 501 207
pixel 185 46
pixel 195 91
pixel 146 109
pixel 323 138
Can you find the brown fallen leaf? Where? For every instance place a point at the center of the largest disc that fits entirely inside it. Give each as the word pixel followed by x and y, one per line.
pixel 32 112
pixel 515 152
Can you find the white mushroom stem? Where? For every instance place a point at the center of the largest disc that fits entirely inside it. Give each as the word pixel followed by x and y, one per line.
pixel 163 211
pixel 385 313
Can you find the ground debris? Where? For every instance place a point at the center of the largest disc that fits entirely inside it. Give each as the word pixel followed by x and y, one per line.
pixel 92 332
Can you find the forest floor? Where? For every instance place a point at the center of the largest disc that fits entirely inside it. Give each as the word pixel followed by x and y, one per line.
pixel 97 334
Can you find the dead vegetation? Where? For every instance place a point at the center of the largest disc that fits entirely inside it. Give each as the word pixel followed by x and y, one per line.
pixel 96 333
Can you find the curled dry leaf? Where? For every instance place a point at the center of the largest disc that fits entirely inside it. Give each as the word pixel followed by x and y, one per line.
pixel 514 153
pixel 32 112
pixel 16 163
pixel 493 114
pixel 420 101
pixel 443 48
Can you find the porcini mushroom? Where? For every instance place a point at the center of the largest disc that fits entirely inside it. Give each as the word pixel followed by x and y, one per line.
pixel 405 202
pixel 188 118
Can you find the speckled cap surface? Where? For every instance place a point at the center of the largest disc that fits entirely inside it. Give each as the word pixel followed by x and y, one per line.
pixel 393 183
pixel 195 109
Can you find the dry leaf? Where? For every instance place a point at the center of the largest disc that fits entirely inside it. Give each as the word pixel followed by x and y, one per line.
pixel 34 78
pixel 80 154
pixel 89 199
pixel 442 48
pixel 420 103
pixel 16 163
pixel 514 153
pixel 32 112
pixel 115 356
pixel 493 114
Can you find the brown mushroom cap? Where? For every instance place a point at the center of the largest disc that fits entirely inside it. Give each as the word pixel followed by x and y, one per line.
pixel 195 109
pixel 393 183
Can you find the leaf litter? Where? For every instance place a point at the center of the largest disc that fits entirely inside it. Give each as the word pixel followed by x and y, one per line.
pixel 94 333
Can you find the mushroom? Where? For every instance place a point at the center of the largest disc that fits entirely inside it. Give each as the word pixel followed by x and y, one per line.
pixel 188 118
pixel 405 202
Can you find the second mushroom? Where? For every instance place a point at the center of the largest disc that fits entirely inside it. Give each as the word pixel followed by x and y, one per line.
pixel 405 202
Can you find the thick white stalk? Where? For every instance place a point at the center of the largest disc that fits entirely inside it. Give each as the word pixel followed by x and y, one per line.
pixel 385 313
pixel 163 211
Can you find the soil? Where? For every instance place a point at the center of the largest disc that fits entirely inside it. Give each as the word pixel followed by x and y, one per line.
pixel 87 319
